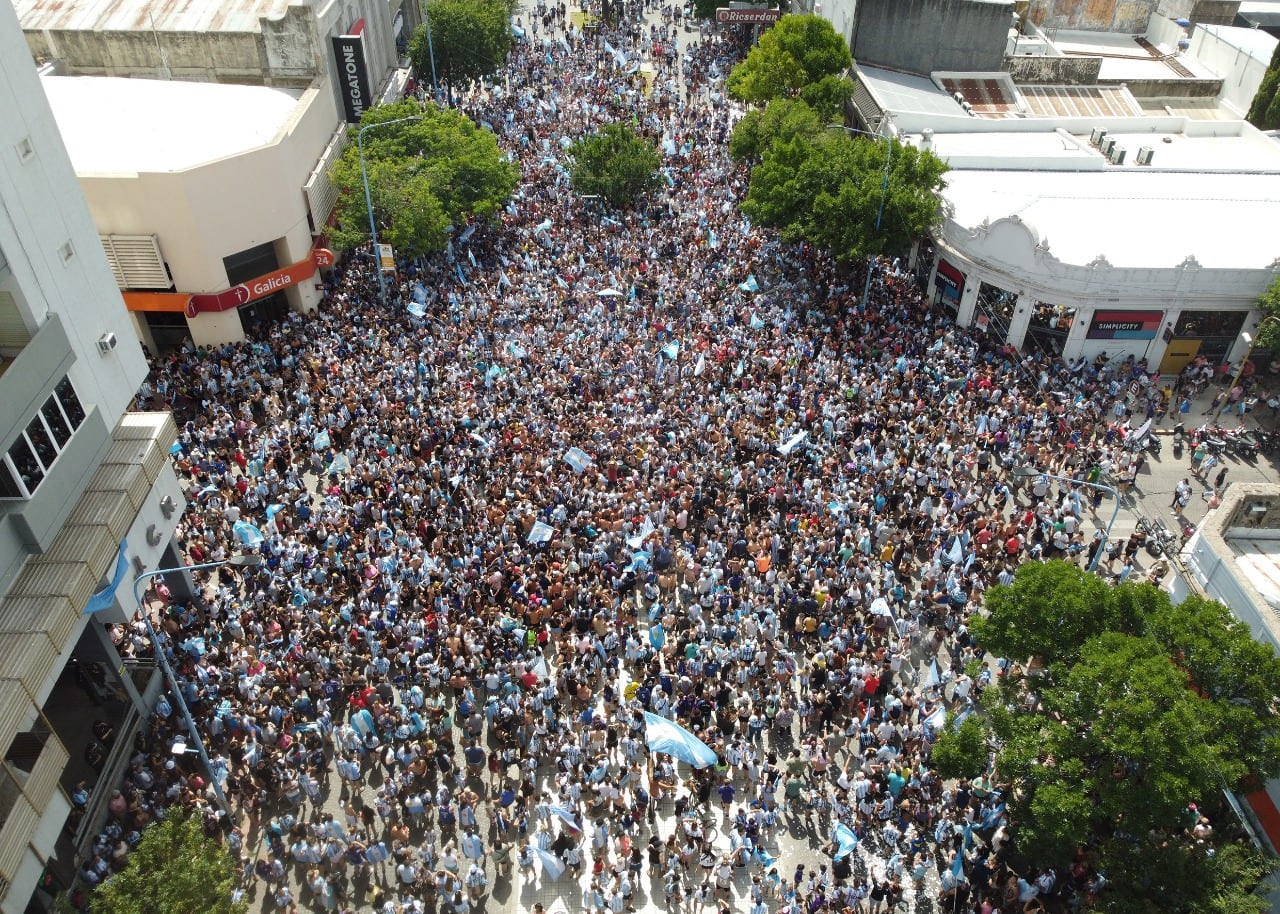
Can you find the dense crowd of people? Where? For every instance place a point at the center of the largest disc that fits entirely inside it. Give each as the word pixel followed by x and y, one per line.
pixel 587 466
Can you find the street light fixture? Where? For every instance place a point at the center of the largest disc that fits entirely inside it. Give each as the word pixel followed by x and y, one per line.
pixel 1252 341
pixel 368 198
pixel 238 561
pixel 426 18
pixel 884 190
pixel 1028 472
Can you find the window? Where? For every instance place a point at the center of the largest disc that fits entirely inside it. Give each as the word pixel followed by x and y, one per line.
pixel 24 466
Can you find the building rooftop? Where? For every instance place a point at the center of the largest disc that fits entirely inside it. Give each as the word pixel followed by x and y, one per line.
pixel 1129 57
pixel 1140 218
pixel 144 15
pixel 1256 43
pixel 897 92
pixel 187 124
pixel 1062 145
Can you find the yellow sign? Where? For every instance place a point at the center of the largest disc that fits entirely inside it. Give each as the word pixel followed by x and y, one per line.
pixel 388 258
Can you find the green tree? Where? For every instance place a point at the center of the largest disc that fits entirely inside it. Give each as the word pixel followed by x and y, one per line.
pixel 1264 113
pixel 174 869
pixel 1232 669
pixel 797 51
pixel 1269 302
pixel 470 40
pixel 960 752
pixel 1146 706
pixel 831 190
pixel 1049 611
pixel 828 96
pixel 424 174
pixel 784 119
pixel 616 164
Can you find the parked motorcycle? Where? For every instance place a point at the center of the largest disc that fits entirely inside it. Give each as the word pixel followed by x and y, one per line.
pixel 1179 437
pixel 1160 540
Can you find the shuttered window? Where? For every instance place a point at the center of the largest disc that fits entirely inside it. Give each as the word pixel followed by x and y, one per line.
pixel 136 262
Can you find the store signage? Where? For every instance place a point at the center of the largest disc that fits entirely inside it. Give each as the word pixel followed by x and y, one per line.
pixel 262 286
pixel 387 258
pixel 753 17
pixel 1124 325
pixel 949 280
pixel 353 76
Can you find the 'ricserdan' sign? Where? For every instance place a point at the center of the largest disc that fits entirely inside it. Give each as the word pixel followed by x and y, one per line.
pixel 727 14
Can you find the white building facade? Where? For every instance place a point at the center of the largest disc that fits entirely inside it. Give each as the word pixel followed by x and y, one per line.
pixel 87 496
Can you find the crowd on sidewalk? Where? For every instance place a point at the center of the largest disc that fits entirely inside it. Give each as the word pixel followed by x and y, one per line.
pixel 589 466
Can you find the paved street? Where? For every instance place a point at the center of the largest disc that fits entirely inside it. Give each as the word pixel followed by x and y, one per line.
pixel 795 840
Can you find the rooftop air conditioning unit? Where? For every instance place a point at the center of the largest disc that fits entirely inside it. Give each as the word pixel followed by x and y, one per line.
pixel 1108 144
pixel 1096 136
pixel 1144 155
pixel 958 97
pixel 1117 155
pixel 968 108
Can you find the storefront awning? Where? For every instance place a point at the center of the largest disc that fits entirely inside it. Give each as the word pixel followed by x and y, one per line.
pixel 156 301
pixel 246 292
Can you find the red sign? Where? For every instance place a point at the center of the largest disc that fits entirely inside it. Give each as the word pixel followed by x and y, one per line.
pixel 261 287
pixel 725 14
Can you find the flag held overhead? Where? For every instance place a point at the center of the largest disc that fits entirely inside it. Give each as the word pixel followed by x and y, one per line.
pixel 662 735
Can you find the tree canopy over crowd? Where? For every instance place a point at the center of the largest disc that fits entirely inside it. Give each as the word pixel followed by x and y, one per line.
pixel 1143 712
pixel 851 195
pixel 425 174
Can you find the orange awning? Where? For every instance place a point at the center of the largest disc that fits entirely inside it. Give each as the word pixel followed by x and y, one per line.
pixel 156 301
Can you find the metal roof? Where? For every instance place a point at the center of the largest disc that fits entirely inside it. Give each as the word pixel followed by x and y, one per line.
pixel 148 15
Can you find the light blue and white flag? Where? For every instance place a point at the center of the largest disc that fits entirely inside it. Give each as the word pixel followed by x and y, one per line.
pixel 662 735
pixel 247 533
pixel 671 350
pixel 565 815
pixel 578 459
pixel 844 839
pixel 541 533
pixel 750 285
pixel 791 444
pixel 552 865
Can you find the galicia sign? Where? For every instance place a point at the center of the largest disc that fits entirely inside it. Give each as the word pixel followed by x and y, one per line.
pixel 268 283
pixel 352 75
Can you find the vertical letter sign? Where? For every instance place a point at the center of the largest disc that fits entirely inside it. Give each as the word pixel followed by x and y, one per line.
pixel 353 75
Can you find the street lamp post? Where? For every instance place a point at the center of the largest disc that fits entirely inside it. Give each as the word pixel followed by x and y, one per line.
pixel 239 561
pixel 1028 472
pixel 426 19
pixel 1252 341
pixel 368 199
pixel 884 190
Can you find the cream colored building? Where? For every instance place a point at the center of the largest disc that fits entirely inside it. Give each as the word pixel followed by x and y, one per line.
pixel 209 209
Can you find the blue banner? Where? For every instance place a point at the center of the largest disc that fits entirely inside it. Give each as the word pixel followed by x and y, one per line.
pixel 107 595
